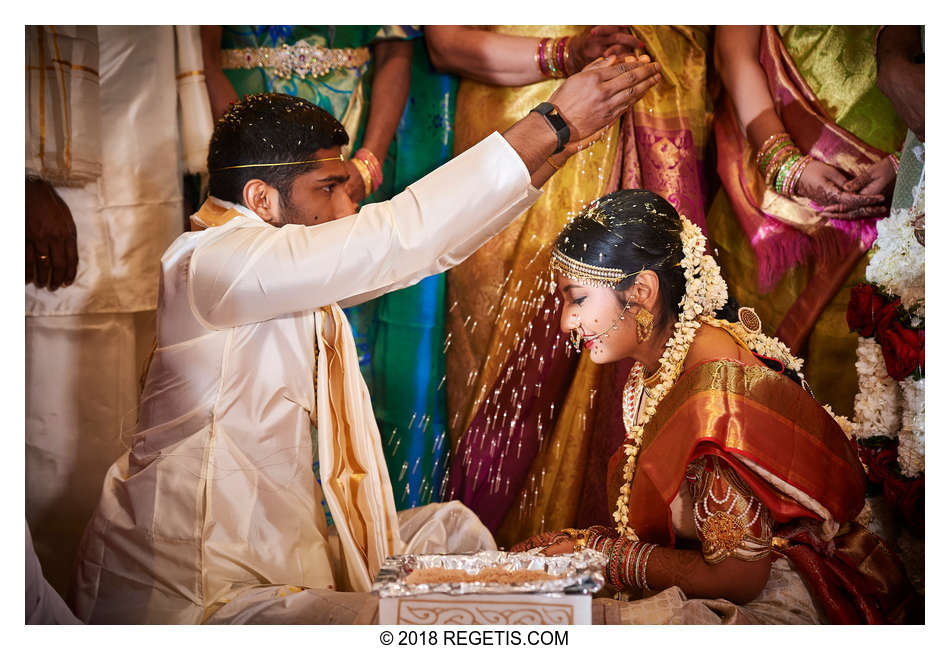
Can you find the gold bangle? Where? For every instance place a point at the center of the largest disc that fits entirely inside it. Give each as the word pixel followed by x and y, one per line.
pixel 364 174
pixel 551 162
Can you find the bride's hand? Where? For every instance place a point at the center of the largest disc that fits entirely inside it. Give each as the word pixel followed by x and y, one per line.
pixel 559 547
pixel 541 539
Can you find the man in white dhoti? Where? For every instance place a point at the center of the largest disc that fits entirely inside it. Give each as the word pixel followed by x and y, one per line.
pixel 103 200
pixel 215 511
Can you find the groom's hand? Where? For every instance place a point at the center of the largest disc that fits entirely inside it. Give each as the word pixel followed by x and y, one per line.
pixel 602 91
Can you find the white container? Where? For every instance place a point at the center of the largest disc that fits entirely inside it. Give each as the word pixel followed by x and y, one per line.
pixel 486 609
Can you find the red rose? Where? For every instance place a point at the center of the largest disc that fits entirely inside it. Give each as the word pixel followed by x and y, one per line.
pixel 864 309
pixel 881 461
pixel 902 348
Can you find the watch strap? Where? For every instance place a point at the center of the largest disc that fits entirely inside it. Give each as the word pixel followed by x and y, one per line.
pixel 554 119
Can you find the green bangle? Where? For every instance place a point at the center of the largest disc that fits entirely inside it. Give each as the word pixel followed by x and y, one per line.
pixel 784 170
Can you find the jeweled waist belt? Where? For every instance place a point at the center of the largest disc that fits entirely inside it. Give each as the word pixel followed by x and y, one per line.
pixel 301 59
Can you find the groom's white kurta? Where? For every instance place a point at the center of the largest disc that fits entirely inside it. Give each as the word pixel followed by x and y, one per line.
pixel 217 494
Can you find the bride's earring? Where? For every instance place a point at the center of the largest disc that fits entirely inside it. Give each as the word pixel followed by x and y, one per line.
pixel 644 324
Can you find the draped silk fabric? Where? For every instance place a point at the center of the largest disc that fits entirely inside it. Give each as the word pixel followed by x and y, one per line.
pixel 494 294
pixel 783 444
pixel 352 467
pixel 831 92
pixel 62 104
pixel 777 256
pixel 541 424
pixel 193 101
pixel 217 494
pixel 121 180
pixel 795 459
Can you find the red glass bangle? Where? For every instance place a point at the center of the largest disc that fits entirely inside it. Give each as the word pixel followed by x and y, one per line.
pixel 560 56
pixel 542 63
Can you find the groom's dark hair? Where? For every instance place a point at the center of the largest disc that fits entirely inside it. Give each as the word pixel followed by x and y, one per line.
pixel 268 128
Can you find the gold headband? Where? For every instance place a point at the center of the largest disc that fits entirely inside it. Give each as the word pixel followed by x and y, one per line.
pixel 298 162
pixel 587 273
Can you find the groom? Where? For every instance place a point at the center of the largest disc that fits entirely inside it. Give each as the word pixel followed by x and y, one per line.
pixel 216 498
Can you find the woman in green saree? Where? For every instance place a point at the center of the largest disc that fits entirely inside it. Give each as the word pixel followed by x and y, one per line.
pixel 792 252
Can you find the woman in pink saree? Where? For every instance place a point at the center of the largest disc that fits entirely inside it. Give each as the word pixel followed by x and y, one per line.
pixel 792 249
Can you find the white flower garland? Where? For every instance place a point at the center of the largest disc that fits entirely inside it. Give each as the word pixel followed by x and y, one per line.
pixel 910 440
pixel 706 292
pixel 877 404
pixel 883 407
pixel 897 264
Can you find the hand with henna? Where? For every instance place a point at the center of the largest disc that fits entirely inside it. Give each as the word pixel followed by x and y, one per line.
pixel 51 254
pixel 878 179
pixel 541 539
pixel 825 186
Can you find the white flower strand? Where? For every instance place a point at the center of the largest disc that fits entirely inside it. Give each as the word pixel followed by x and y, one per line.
pixel 876 406
pixel 910 440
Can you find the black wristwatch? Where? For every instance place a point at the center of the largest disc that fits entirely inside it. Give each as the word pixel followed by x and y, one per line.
pixel 561 129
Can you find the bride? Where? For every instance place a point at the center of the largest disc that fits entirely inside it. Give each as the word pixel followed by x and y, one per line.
pixel 733 490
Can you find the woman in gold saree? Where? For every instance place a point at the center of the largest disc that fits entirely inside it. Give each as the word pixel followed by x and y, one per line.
pixel 733 489
pixel 529 415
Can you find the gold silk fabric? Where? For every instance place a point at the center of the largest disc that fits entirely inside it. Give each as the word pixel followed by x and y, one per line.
pixel 493 295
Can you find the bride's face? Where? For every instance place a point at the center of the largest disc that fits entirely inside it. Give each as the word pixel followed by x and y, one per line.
pixel 595 312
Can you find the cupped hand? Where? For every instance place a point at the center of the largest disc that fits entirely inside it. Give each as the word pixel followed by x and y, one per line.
pixel 51 253
pixel 355 187
pixel 595 97
pixel 825 186
pixel 601 41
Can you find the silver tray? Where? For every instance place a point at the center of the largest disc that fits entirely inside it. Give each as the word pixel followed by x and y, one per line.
pixel 577 573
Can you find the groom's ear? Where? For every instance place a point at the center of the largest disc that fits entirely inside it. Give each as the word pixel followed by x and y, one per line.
pixel 263 199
